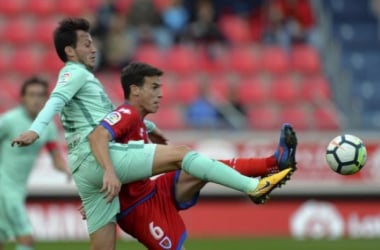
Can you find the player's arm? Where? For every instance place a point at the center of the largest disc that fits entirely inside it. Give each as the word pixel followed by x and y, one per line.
pixel 68 84
pixel 99 140
pixel 53 105
pixel 155 134
pixel 113 127
pixel 58 161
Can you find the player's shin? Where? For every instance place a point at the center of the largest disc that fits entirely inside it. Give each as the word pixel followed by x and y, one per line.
pixel 24 247
pixel 214 171
pixel 254 167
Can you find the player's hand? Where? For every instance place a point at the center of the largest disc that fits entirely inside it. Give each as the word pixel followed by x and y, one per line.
pixel 82 212
pixel 111 185
pixel 158 137
pixel 25 139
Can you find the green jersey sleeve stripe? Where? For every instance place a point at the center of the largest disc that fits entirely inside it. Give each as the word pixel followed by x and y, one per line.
pixel 59 95
pixel 86 113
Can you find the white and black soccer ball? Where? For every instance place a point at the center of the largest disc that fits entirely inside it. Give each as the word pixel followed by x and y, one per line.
pixel 346 154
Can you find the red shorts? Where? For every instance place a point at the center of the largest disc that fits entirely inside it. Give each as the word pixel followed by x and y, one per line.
pixel 154 220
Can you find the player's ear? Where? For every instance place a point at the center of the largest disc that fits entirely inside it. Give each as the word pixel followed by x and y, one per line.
pixel 70 52
pixel 135 90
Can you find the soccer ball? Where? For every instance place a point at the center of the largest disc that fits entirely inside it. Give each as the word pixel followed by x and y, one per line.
pixel 346 154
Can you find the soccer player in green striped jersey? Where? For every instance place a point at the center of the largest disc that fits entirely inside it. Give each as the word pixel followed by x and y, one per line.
pixel 16 163
pixel 100 169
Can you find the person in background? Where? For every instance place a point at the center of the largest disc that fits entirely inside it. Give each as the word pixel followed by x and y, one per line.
pixel 16 164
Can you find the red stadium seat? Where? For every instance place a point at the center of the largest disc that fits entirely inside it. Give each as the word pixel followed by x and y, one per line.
pixel 219 87
pixel 274 60
pixel 123 5
pixel 152 55
pixel 263 117
pixel 71 7
pixel 161 4
pixel 315 89
pixel 169 117
pixel 252 91
pixel 94 4
pixel 326 118
pixel 12 92
pixel 305 59
pixel 187 90
pixel 284 91
pixel 26 61
pixel 44 31
pixel 115 89
pixel 235 29
pixel 11 96
pixel 243 60
pixel 41 7
pixel 51 62
pixel 4 60
pixel 169 91
pixel 17 31
pixel 297 115
pixel 13 7
pixel 182 60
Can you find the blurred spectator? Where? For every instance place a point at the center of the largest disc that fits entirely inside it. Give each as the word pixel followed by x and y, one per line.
pixel 375 7
pixel 288 22
pixel 104 14
pixel 232 111
pixel 118 46
pixel 145 25
pixel 203 28
pixel 175 17
pixel 237 7
pixel 202 113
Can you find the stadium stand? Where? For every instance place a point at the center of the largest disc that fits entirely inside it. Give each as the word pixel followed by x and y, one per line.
pixel 270 81
pixel 355 29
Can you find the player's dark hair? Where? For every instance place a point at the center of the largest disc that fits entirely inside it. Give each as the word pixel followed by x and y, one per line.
pixel 34 80
pixel 134 73
pixel 65 34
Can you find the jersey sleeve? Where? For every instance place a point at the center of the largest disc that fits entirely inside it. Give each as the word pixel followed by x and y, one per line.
pixel 52 132
pixel 120 122
pixel 52 106
pixel 150 126
pixel 3 127
pixel 70 80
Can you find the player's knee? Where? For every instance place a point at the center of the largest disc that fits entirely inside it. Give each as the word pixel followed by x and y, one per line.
pixel 25 241
pixel 182 150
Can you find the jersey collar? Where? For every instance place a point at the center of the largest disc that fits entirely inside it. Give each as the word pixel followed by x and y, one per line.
pixel 76 63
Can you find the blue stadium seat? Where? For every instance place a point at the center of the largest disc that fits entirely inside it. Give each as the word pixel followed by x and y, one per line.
pixel 357 35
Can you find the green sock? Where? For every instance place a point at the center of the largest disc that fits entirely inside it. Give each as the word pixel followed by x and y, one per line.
pixel 211 170
pixel 23 247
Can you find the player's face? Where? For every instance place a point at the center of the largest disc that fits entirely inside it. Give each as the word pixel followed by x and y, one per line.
pixel 34 99
pixel 85 51
pixel 150 94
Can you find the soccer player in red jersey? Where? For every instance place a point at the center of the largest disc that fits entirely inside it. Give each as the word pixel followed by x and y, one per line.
pixel 149 208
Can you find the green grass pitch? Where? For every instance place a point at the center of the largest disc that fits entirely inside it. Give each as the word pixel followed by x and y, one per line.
pixel 233 244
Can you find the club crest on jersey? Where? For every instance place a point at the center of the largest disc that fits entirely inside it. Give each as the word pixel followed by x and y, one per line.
pixel 166 243
pixel 64 78
pixel 113 118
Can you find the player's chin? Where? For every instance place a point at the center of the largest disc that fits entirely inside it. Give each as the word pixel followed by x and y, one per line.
pixel 153 110
pixel 91 63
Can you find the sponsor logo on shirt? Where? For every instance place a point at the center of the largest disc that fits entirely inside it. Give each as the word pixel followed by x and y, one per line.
pixel 125 111
pixel 65 77
pixel 113 118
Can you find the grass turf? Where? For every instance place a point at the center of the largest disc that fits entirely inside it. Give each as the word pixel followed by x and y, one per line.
pixel 234 244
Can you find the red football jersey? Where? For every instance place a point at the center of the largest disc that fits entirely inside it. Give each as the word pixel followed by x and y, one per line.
pixel 125 124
